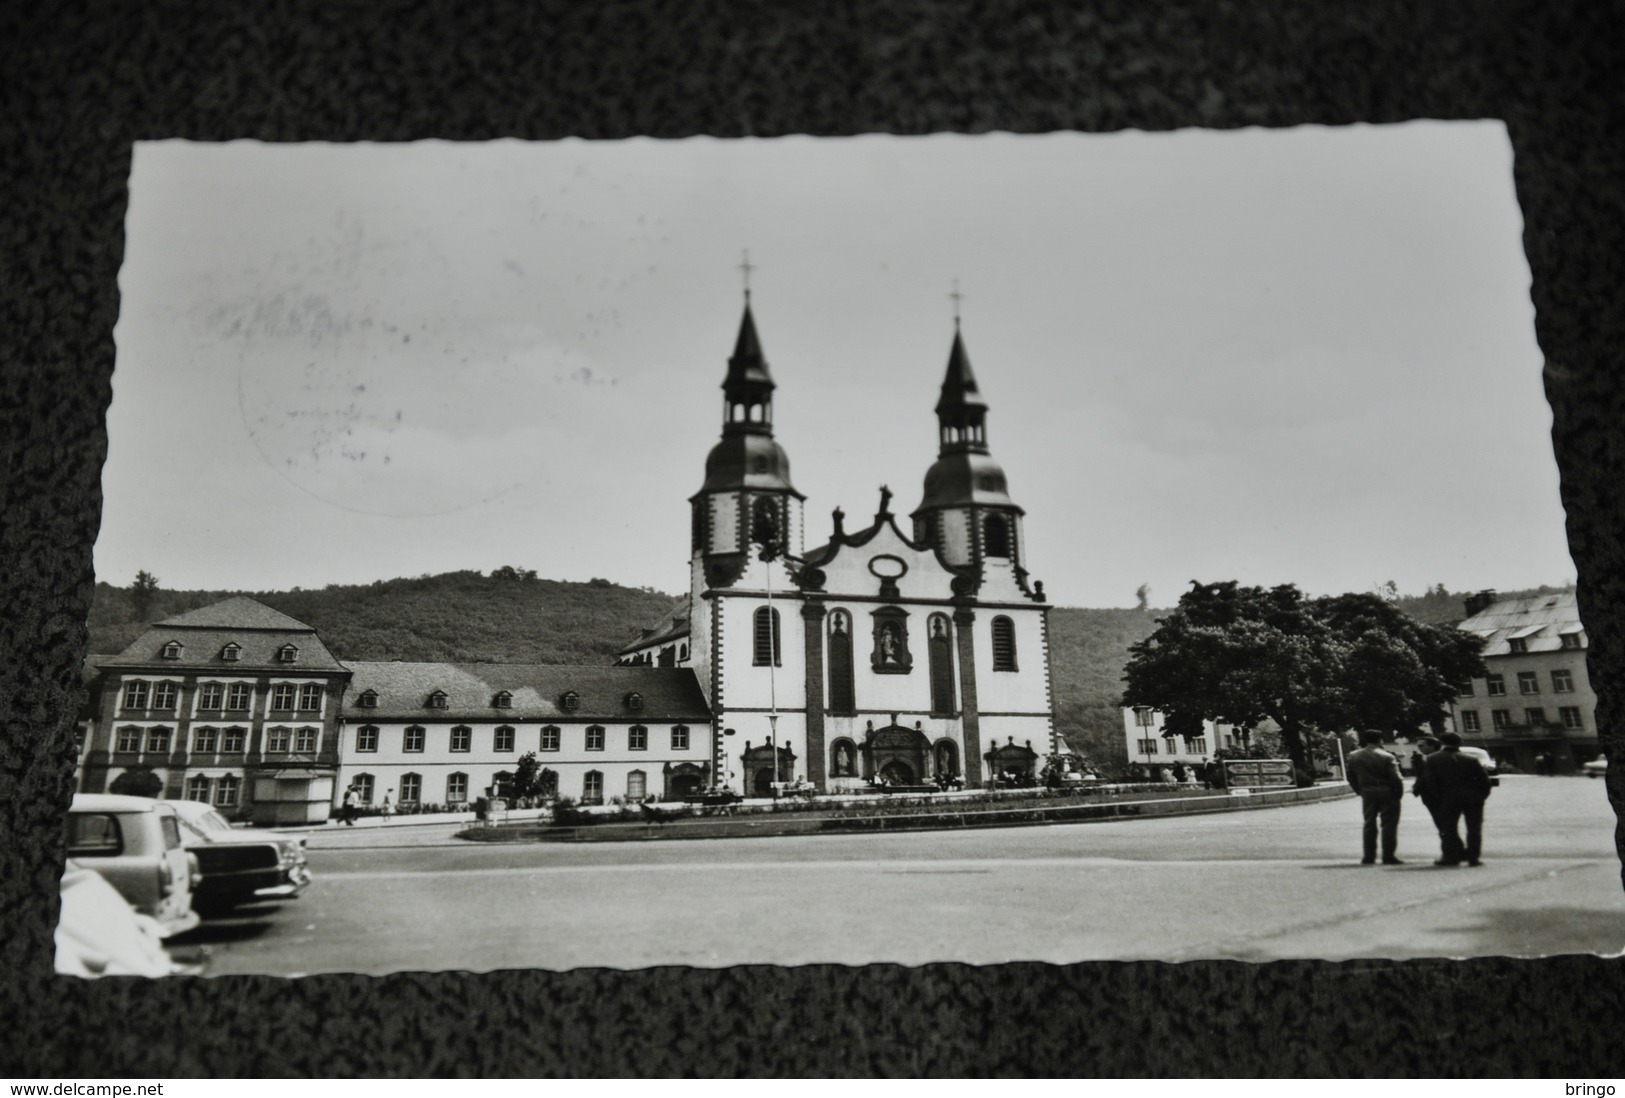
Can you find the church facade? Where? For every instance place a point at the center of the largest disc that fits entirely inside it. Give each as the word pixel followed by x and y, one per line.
pixel 912 651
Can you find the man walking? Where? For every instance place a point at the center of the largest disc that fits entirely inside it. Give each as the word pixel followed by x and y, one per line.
pixel 1374 775
pixel 352 805
pixel 1454 787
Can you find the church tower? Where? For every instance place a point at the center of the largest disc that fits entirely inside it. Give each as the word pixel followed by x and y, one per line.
pixel 967 513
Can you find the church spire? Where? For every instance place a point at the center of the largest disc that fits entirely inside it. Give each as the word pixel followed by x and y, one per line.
pixel 748 389
pixel 961 411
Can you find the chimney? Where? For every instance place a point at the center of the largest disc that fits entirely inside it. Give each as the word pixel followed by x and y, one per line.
pixel 1480 602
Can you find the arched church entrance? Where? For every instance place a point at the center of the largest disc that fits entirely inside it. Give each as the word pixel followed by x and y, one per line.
pixel 684 780
pixel 759 770
pixel 897 755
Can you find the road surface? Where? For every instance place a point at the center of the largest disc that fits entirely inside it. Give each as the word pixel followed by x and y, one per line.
pixel 1265 885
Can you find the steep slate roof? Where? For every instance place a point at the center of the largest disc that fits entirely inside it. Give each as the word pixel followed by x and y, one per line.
pixel 1540 620
pixel 237 612
pixel 259 630
pixel 670 627
pixel 669 693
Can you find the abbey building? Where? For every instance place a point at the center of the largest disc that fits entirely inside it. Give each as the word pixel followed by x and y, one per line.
pixel 911 651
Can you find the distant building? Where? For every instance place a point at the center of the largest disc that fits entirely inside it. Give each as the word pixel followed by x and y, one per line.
pixel 1151 747
pixel 235 704
pixel 1537 698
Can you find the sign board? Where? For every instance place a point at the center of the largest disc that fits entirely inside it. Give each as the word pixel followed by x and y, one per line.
pixel 1259 772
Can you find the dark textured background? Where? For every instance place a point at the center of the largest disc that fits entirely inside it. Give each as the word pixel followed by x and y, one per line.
pixel 83 80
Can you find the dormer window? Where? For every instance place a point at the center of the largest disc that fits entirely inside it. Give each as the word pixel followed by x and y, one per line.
pixel 368 699
pixel 1517 644
pixel 231 652
pixel 172 650
pixel 570 701
pixel 634 701
pixel 503 700
pixel 288 653
pixel 437 700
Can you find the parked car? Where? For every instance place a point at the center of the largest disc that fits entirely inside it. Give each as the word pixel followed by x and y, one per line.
pixel 1597 767
pixel 135 844
pixel 100 934
pixel 240 865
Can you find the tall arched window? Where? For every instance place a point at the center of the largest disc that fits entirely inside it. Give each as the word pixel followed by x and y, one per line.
pixel 940 647
pixel 767 637
pixel 1004 644
pixel 996 536
pixel 764 524
pixel 842 697
pixel 592 787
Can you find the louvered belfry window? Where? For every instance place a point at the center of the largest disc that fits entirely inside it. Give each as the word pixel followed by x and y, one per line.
pixel 1004 644
pixel 767 637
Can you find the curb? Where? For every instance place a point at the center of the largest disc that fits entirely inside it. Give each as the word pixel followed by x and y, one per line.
pixel 766 826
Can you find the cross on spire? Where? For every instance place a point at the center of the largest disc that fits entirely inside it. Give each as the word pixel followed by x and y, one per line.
pixel 956 296
pixel 746 267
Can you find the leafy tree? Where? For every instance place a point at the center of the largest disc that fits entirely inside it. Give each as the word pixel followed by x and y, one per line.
pixel 526 775
pixel 1245 654
pixel 141 593
pixel 138 781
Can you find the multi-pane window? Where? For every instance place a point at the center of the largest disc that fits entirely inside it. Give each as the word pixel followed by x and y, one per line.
pixel 1495 686
pixel 1534 718
pixel 135 695
pixel 205 741
pixel 637 738
pixel 411 788
pixel 1562 681
pixel 158 741
pixel 129 739
pixel 462 738
pixel 282 696
pixel 1501 719
pixel 1148 746
pixel 1528 682
pixel 278 739
pixel 637 785
pixel 364 787
pixel 1571 716
pixel 1465 690
pixel 1517 644
pixel 209 697
pixel 679 737
pixel 366 738
pixel 1145 716
pixel 225 791
pixel 233 740
pixel 412 739
pixel 197 788
pixel 287 653
pixel 231 652
pixel 550 738
pixel 502 739
pixel 310 697
pixel 368 699
pixel 592 788
pixel 569 701
pixel 456 788
pixel 1196 745
pixel 304 741
pixel 239 697
pixel 1004 644
pixel 1469 720
pixel 502 700
pixel 595 738
pixel 1571 640
pixel 437 700
pixel 163 696
pixel 172 650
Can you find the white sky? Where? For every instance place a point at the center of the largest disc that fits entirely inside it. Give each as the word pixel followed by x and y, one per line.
pixel 1276 356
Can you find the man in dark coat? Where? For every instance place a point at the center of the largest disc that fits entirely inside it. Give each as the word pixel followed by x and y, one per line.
pixel 1454 787
pixel 1374 775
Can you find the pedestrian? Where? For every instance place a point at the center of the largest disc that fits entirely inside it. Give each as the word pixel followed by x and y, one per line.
pixel 1454 787
pixel 352 805
pixel 388 807
pixel 1374 774
pixel 1179 773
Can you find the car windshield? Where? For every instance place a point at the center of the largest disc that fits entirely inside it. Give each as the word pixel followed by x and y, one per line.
pixel 205 825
